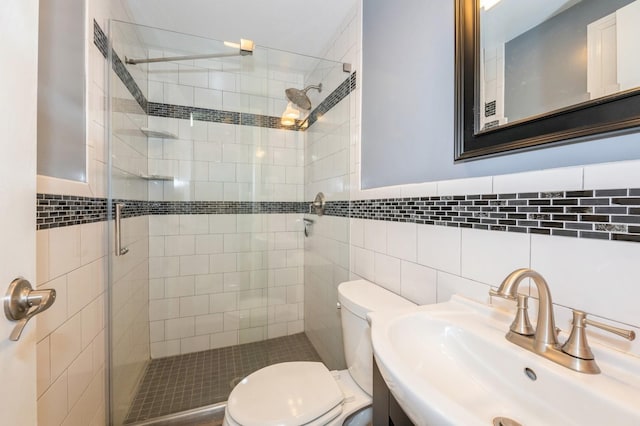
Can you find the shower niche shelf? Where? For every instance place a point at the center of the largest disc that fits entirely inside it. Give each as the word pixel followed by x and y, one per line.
pixel 156 177
pixel 158 133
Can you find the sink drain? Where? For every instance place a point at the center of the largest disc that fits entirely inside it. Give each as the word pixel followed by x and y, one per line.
pixel 505 421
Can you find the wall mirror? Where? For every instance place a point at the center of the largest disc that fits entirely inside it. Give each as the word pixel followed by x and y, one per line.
pixel 534 73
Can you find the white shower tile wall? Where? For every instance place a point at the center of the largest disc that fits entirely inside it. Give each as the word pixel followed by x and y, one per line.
pixel 71 335
pixel 328 162
pixel 225 162
pixel 221 280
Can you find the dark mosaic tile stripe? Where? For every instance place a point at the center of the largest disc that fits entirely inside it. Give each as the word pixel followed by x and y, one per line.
pixel 101 42
pixel 218 116
pixel 615 217
pixel 603 214
pixel 55 211
pixel 341 92
pixel 226 207
pixel 183 382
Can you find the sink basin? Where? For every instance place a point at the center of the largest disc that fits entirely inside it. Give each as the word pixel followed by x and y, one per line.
pixel 450 363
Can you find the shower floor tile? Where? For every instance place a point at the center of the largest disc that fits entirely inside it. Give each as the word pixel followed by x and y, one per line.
pixel 184 382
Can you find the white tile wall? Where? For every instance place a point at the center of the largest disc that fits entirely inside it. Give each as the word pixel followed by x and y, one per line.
pixel 70 349
pixel 436 262
pixel 71 334
pixel 213 277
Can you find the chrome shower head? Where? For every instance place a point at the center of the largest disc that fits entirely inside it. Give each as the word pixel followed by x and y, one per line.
pixel 299 97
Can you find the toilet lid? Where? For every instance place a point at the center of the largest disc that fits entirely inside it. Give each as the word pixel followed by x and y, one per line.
pixel 287 394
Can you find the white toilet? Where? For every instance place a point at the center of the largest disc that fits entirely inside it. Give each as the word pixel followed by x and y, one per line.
pixel 307 393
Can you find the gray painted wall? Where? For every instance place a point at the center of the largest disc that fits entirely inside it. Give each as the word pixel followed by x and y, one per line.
pixel 408 104
pixel 546 67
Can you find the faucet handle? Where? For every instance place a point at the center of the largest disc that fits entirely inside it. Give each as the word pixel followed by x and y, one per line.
pixel 577 345
pixel 627 334
pixel 521 323
pixel 506 296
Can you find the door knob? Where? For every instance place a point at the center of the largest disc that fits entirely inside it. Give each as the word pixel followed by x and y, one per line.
pixel 22 302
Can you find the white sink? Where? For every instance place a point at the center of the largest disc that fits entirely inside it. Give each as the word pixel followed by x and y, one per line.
pixel 451 364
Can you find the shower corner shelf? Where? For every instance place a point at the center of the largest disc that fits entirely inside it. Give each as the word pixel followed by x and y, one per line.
pixel 158 133
pixel 156 177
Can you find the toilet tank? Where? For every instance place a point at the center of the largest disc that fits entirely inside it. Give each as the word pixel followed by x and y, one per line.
pixel 357 298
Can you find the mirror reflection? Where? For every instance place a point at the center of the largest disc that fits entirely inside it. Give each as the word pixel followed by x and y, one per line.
pixel 544 55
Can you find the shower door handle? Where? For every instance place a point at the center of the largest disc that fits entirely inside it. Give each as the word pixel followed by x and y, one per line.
pixel 118 230
pixel 22 302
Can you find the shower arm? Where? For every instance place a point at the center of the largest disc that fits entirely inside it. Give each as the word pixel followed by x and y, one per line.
pixel 318 87
pixel 245 48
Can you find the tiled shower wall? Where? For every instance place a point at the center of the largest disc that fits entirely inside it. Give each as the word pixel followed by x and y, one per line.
pixel 220 280
pixel 329 164
pixel 71 346
pixel 216 279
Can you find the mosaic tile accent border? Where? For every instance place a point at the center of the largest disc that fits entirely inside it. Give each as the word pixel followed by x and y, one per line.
pixel 341 92
pixel 215 115
pixel 157 109
pixel 601 214
pixel 55 211
pixel 226 207
pixel 101 42
pixel 612 214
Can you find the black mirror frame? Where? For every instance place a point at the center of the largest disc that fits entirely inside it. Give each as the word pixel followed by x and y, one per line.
pixel 615 114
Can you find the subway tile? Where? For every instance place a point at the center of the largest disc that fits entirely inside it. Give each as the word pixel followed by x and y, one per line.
pixel 439 248
pixel 165 349
pixel 43 366
pixel 194 305
pixel 387 272
pixel 576 269
pixel 449 284
pixel 402 240
pixel 64 250
pixel 194 265
pixel 375 236
pixel 79 375
pixel 221 340
pixel 56 315
pixel 194 344
pixel 563 179
pixel 179 327
pixel 92 321
pixel 179 245
pixel 622 174
pixel 66 345
pixel 209 284
pixel 164 309
pixel 488 257
pixel 42 256
pixel 52 406
pixel 418 283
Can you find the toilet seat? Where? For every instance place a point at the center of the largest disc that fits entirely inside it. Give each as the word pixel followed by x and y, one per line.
pixel 286 394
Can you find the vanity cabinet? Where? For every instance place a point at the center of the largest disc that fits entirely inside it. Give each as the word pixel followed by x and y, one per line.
pixel 386 410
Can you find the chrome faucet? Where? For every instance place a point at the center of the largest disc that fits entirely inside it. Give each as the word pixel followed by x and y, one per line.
pixel 575 353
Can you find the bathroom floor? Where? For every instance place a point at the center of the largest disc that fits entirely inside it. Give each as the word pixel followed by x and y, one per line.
pixel 184 382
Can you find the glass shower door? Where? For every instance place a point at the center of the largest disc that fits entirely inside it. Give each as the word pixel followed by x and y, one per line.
pixel 212 188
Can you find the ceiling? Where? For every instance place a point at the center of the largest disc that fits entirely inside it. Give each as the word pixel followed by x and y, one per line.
pixel 303 26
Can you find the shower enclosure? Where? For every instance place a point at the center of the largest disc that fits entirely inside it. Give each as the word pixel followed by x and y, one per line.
pixel 213 276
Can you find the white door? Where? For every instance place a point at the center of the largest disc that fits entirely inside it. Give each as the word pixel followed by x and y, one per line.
pixel 18 85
